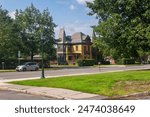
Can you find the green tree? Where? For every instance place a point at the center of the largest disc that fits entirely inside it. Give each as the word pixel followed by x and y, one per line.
pixel 123 24
pixel 35 25
pixel 28 21
pixel 47 28
pixel 102 50
pixel 9 41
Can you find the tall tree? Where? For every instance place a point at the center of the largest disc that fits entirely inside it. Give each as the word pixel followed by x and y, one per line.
pixel 34 24
pixel 47 29
pixel 9 41
pixel 123 24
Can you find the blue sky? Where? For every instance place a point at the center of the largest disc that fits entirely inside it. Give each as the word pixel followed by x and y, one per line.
pixel 70 14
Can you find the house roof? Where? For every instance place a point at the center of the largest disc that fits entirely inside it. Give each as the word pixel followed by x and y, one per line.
pixel 77 37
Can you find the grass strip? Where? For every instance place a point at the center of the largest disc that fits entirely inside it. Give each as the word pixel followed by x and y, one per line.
pixel 109 84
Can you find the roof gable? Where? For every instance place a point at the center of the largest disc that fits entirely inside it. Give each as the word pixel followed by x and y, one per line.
pixel 77 37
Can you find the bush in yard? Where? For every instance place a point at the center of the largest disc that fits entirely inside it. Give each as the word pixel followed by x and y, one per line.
pixel 106 62
pixel 126 61
pixel 62 63
pixel 8 64
pixel 86 62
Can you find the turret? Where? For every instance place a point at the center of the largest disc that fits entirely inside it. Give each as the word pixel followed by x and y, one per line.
pixel 62 35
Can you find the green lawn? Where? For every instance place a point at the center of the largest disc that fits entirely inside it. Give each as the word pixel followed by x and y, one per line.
pixel 7 70
pixel 109 84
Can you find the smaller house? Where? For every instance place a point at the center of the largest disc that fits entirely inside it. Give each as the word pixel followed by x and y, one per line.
pixel 74 47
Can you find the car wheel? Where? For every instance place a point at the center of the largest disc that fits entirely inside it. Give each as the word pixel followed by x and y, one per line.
pixel 24 69
pixel 36 69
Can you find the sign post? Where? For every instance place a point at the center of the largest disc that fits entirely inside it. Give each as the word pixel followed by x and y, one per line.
pixel 19 54
pixel 99 63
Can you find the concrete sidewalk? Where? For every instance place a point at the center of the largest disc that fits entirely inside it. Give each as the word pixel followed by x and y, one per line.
pixel 58 93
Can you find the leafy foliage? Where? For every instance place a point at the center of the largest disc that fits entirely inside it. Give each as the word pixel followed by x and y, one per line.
pixel 26 33
pixel 9 37
pixel 35 26
pixel 86 62
pixel 123 24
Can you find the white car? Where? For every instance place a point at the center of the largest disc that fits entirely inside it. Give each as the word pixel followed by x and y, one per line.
pixel 28 66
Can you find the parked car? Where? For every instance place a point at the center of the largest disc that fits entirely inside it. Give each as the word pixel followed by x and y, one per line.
pixel 28 66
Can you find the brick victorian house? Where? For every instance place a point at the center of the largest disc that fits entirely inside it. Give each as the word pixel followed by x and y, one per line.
pixel 72 48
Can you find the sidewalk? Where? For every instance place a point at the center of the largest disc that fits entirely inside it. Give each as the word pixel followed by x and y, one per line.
pixel 58 93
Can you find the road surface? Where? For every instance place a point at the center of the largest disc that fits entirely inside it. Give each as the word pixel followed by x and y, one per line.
pixel 30 74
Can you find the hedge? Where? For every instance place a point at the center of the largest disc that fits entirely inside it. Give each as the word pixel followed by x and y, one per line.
pixel 126 61
pixel 63 63
pixel 106 62
pixel 86 62
pixel 8 64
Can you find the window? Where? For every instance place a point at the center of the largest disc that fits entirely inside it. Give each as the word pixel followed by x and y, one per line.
pixel 84 49
pixel 69 57
pixel 88 48
pixel 77 56
pixel 76 48
pixel 69 48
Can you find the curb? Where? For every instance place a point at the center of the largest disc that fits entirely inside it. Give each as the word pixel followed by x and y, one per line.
pixel 59 96
pixel 32 93
pixel 146 93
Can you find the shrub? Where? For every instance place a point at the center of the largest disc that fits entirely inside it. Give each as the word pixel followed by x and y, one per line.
pixel 126 61
pixel 106 62
pixel 8 64
pixel 86 62
pixel 62 63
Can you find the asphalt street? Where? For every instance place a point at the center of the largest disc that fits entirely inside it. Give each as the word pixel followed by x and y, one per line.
pixel 67 71
pixel 12 95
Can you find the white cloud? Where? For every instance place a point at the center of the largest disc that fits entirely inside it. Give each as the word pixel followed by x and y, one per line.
pixel 72 7
pixel 84 1
pixel 12 14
